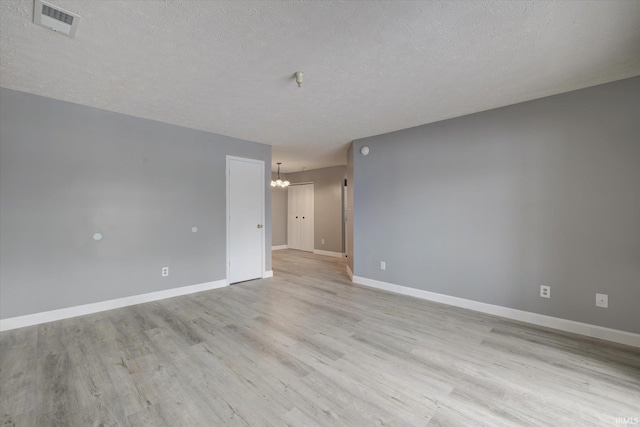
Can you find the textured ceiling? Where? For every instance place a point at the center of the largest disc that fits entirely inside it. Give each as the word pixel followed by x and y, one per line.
pixel 370 67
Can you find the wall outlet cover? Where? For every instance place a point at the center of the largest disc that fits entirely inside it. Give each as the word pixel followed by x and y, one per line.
pixel 545 291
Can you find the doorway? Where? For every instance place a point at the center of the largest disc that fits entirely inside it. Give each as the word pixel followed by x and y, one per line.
pixel 245 219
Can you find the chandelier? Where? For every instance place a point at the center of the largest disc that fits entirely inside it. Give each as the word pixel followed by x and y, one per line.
pixel 279 182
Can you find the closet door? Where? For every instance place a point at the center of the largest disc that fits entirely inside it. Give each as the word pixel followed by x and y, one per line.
pixel 294 217
pixel 306 209
pixel 300 217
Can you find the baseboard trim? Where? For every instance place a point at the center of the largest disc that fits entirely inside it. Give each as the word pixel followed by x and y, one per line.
pixel 80 310
pixel 349 272
pixel 328 253
pixel 580 328
pixel 267 274
pixel 279 247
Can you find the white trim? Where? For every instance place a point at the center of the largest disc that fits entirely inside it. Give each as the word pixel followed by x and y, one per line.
pixel 262 220
pixel 267 274
pixel 349 272
pixel 279 247
pixel 81 310
pixel 622 337
pixel 328 253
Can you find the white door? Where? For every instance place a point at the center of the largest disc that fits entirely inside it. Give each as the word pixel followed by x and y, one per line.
pixel 306 210
pixel 300 217
pixel 245 219
pixel 294 217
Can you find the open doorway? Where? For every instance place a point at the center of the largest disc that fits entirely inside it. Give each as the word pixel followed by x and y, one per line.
pixel 326 189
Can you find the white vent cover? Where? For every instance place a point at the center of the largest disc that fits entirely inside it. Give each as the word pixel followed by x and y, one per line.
pixel 56 18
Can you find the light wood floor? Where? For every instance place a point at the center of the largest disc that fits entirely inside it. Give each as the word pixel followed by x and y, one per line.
pixel 308 348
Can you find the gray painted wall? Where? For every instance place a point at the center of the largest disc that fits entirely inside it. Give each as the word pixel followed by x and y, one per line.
pixel 490 206
pixel 279 204
pixel 327 189
pixel 69 171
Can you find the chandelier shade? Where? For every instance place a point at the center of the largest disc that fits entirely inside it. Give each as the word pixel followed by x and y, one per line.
pixel 279 182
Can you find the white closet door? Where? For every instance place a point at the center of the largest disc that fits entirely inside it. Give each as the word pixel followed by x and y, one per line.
pixel 306 232
pixel 294 217
pixel 300 217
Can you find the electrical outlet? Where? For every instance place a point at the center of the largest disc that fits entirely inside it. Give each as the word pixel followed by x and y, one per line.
pixel 602 300
pixel 383 265
pixel 323 241
pixel 165 271
pixel 545 291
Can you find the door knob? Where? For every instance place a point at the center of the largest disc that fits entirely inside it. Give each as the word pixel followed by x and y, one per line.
pixel 259 225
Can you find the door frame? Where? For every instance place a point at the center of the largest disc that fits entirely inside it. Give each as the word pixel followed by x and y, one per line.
pixel 228 211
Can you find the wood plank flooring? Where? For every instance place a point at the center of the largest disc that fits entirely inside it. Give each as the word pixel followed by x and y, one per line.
pixel 309 348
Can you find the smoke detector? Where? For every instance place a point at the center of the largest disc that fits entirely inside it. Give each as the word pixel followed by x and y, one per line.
pixel 55 18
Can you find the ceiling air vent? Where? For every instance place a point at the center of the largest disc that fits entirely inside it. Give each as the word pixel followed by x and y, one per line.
pixel 55 18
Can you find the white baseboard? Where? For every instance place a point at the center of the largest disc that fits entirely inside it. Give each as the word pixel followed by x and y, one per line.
pixel 328 253
pixel 80 310
pixel 349 272
pixel 279 247
pixel 267 274
pixel 586 329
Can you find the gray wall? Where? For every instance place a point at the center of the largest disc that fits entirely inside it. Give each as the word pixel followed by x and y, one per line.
pixel 68 171
pixel 279 204
pixel 492 205
pixel 327 189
